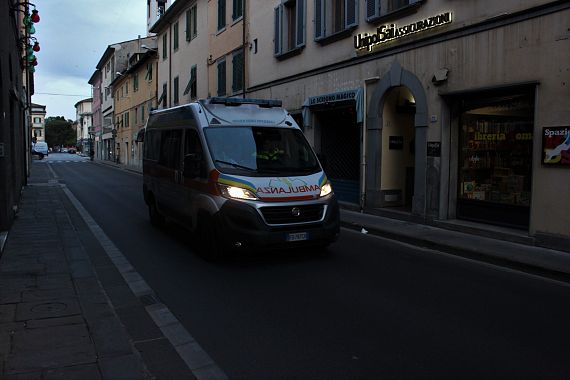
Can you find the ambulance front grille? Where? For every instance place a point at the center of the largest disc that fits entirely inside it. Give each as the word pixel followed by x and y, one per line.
pixel 293 214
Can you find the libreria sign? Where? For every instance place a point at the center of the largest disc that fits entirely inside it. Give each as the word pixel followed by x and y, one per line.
pixel 385 33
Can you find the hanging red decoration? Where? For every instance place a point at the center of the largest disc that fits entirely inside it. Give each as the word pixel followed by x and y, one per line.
pixel 36 47
pixel 35 62
pixel 35 16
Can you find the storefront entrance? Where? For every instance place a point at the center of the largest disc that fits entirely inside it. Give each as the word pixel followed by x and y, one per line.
pixel 495 158
pixel 340 149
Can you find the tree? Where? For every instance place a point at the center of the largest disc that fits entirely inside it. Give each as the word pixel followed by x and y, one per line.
pixel 60 132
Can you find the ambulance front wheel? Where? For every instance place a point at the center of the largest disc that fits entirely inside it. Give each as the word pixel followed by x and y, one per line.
pixel 210 247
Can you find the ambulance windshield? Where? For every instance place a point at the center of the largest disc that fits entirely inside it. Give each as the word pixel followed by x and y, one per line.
pixel 261 151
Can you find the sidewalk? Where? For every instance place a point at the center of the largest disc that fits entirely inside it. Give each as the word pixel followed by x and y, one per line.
pixel 525 257
pixel 65 310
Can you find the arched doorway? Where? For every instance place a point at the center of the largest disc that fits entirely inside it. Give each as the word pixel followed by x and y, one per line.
pixel 397 79
pixel 398 149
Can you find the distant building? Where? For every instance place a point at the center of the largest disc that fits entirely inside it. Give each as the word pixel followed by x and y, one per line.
pixel 83 123
pixel 134 95
pixel 115 60
pixel 155 9
pixel 38 122
pixel 97 127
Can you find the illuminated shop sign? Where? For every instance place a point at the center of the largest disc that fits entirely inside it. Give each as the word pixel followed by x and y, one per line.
pixel 389 32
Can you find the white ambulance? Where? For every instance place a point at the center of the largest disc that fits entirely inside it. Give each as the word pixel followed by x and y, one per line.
pixel 238 172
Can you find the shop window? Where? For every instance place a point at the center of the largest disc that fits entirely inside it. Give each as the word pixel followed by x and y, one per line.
pixel 375 9
pixel 495 159
pixel 290 23
pixel 335 19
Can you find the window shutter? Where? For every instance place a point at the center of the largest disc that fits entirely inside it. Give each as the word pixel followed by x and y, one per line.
pixel 301 22
pixel 194 21
pixel 188 24
pixel 372 9
pixel 319 19
pixel 278 34
pixel 351 14
pixel 194 76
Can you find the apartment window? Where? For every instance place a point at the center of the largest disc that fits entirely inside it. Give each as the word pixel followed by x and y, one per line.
pixel 377 8
pixel 165 46
pixel 126 116
pixel 221 14
pixel 175 37
pixel 136 115
pixel 237 9
pixel 335 18
pixel 191 23
pixel 222 78
pixel 142 113
pixel 191 86
pixel 37 120
pixel 126 88
pixel 163 96
pixel 175 90
pixel 135 82
pixel 148 75
pixel 290 23
pixel 237 71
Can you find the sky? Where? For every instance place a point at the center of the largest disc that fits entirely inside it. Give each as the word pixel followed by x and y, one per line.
pixel 73 35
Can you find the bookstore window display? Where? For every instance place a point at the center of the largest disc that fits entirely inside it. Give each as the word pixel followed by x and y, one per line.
pixel 495 159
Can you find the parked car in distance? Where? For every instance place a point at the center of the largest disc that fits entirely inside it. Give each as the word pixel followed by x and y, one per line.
pixel 64 150
pixel 72 150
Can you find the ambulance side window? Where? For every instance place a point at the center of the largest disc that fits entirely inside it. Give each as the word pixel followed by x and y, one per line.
pixel 193 155
pixel 170 149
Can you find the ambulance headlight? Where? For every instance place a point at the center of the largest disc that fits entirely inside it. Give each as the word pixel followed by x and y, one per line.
pixel 326 189
pixel 234 192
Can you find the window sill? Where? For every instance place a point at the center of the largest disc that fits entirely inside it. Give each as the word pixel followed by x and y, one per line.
pixel 336 37
pixel 290 53
pixel 404 11
pixel 220 31
pixel 236 20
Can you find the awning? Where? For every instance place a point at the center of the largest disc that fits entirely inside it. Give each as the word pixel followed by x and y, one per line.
pixel 330 99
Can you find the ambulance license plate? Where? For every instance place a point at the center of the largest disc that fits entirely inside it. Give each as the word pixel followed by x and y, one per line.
pixel 298 236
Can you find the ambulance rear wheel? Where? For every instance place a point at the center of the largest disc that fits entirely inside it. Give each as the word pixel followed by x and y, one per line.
pixel 156 218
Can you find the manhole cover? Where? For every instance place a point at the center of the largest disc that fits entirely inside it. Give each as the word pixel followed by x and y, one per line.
pixel 49 307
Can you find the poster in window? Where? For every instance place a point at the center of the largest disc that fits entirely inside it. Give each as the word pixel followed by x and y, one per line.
pixel 556 146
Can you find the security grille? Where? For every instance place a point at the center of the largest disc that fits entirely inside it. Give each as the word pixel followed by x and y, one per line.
pixel 292 214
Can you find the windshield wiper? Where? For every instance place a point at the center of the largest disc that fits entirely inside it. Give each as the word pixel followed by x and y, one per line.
pixel 236 165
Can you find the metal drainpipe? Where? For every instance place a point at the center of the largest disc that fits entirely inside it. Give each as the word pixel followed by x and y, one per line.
pixel 364 141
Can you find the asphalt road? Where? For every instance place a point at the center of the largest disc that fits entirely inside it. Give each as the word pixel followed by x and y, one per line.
pixel 371 309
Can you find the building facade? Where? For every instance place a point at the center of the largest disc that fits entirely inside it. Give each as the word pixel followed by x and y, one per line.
pixel 84 124
pixel 38 114
pixel 432 109
pixel 97 116
pixel 115 60
pixel 16 89
pixel 134 94
pixel 183 53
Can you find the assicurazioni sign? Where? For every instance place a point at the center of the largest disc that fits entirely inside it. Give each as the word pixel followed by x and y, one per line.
pixel 389 32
